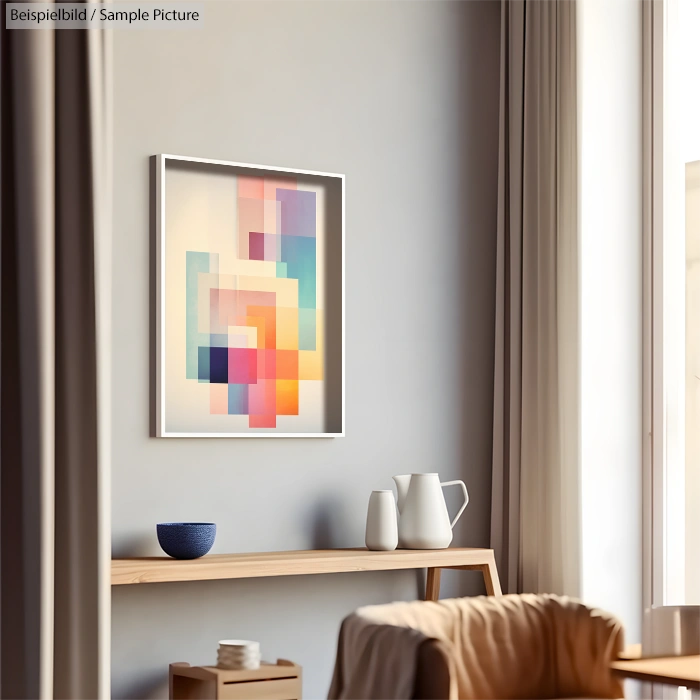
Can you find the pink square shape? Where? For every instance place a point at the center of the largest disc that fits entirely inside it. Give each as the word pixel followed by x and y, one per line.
pixel 267 363
pixel 242 365
pixel 262 403
pixel 256 246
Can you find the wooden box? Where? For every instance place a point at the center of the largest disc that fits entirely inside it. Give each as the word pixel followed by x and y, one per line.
pixel 280 681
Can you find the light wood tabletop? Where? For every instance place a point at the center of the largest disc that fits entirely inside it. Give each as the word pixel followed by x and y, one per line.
pixel 314 561
pixel 681 671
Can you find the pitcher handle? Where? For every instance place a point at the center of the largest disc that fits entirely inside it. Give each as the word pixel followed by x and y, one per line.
pixel 466 498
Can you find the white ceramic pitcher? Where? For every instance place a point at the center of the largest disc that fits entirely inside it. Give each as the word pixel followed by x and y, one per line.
pixel 424 522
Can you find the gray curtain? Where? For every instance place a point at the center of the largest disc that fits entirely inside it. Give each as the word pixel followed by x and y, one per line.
pixel 535 522
pixel 54 366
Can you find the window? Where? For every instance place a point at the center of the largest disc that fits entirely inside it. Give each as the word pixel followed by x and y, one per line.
pixel 672 367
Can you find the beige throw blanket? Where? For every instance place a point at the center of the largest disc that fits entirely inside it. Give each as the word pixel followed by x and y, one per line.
pixel 515 646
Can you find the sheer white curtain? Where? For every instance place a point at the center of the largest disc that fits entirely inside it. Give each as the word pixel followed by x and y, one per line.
pixel 54 376
pixel 535 511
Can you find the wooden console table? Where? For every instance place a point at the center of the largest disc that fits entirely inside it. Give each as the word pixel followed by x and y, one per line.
pixel 314 561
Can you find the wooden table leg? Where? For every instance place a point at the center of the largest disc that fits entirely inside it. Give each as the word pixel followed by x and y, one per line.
pixel 432 584
pixel 491 580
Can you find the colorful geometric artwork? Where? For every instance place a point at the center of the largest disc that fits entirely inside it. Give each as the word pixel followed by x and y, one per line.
pixel 244 307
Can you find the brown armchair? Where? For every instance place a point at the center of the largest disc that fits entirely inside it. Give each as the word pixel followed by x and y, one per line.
pixel 527 646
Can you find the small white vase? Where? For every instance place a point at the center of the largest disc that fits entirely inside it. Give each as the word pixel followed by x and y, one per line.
pixel 382 531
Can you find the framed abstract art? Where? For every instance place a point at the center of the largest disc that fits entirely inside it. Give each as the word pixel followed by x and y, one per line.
pixel 249 307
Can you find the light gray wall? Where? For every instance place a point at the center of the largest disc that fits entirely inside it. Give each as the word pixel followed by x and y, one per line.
pixel 402 97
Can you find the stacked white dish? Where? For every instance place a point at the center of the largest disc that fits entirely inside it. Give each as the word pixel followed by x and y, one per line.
pixel 238 655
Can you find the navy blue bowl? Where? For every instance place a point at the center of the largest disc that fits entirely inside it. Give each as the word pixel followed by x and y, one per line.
pixel 186 540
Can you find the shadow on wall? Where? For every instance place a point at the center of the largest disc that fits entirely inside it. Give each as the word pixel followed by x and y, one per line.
pixel 149 686
pixel 479 113
pixel 326 523
pixel 152 293
pixel 141 546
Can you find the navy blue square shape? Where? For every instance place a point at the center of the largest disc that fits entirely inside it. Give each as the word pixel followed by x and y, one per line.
pixel 218 365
